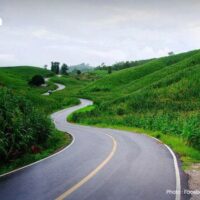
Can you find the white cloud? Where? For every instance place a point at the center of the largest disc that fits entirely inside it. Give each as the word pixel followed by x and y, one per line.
pixel 1 21
pixel 96 31
pixel 48 35
pixel 7 58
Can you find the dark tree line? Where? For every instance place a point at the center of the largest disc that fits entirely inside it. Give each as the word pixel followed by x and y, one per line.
pixel 122 65
pixel 55 67
pixel 64 69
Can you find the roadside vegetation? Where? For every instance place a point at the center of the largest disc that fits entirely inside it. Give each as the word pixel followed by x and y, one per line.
pixel 22 126
pixel 26 134
pixel 26 131
pixel 161 96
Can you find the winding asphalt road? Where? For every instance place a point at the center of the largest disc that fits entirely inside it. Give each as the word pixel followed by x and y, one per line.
pixel 100 164
pixel 59 86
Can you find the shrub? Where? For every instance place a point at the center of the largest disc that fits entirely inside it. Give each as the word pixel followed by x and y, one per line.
pixel 37 80
pixel 21 125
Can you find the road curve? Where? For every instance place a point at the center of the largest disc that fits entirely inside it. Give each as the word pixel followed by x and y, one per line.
pixel 59 87
pixel 101 164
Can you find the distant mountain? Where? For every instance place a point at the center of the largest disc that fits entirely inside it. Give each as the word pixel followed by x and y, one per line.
pixel 82 67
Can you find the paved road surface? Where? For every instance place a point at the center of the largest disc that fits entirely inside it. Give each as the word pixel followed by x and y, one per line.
pixel 101 164
pixel 59 86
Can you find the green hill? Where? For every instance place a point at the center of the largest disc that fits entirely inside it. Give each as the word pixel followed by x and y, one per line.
pixel 129 80
pixel 18 77
pixel 161 95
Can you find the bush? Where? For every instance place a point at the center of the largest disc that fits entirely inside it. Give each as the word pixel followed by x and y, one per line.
pixel 37 80
pixel 21 125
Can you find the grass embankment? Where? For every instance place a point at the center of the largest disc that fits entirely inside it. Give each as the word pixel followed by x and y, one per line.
pixel 187 154
pixel 161 97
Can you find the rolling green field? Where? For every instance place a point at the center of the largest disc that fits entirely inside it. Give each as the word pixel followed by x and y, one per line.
pixel 160 96
pixel 16 78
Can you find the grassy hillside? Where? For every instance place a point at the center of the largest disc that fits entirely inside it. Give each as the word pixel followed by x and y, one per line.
pixel 18 77
pixel 162 95
pixel 129 80
pixel 24 121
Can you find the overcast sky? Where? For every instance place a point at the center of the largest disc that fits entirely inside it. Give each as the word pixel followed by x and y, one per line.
pixel 36 32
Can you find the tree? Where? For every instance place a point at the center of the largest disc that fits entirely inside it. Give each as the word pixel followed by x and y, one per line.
pixel 55 67
pixel 109 70
pixel 103 65
pixel 45 67
pixel 171 53
pixel 37 80
pixel 64 69
pixel 78 72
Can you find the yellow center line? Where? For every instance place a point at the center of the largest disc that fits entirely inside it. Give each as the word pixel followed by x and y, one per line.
pixel 91 174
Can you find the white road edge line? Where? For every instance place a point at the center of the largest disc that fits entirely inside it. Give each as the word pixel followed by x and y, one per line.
pixel 178 179
pixel 177 173
pixel 29 165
